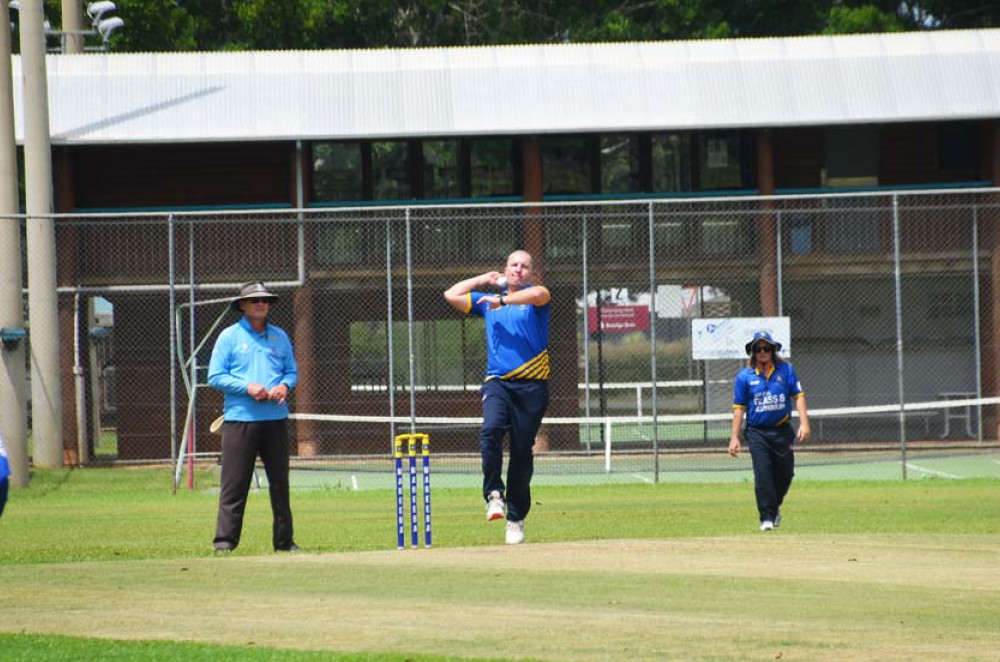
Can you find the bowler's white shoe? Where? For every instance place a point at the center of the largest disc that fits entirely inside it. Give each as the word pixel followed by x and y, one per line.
pixel 515 532
pixel 495 508
pixel 767 525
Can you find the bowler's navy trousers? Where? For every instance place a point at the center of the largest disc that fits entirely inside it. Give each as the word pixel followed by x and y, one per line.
pixel 516 406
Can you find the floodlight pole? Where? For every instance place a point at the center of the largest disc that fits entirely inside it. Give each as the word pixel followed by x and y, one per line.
pixel 72 25
pixel 46 387
pixel 13 385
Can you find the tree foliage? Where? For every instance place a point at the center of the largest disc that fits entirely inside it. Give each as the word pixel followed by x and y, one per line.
pixel 209 25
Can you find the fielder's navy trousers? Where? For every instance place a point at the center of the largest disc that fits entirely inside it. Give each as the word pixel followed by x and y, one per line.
pixel 516 407
pixel 773 466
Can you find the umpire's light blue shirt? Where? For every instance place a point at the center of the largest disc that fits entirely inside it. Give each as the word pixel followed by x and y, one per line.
pixel 767 398
pixel 241 356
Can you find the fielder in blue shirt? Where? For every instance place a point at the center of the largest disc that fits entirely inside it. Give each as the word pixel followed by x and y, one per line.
pixel 516 390
pixel 764 391
pixel 4 475
pixel 254 366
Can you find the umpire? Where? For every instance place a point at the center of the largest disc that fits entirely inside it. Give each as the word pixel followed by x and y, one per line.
pixel 765 390
pixel 254 366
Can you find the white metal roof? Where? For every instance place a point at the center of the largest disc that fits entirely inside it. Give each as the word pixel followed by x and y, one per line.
pixel 264 95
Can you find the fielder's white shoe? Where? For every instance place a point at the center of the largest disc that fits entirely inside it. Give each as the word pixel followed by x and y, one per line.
pixel 777 520
pixel 495 508
pixel 515 532
pixel 767 525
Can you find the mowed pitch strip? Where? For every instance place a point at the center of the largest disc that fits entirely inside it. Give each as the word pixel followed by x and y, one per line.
pixel 811 597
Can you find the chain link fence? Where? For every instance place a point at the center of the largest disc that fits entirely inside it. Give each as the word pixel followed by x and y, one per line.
pixel 890 300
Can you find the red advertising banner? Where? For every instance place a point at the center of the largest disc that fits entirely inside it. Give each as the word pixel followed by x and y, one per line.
pixel 619 319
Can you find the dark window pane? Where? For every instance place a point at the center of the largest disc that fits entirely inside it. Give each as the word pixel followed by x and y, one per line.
pixel 441 169
pixel 390 171
pixel 492 167
pixel 957 146
pixel 566 166
pixel 337 172
pixel 619 164
pixel 720 161
pixel 851 156
pixel 671 162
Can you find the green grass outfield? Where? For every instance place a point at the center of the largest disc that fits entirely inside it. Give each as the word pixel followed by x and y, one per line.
pixel 107 564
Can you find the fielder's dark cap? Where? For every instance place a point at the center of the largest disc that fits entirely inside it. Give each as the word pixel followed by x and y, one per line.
pixel 254 290
pixel 766 337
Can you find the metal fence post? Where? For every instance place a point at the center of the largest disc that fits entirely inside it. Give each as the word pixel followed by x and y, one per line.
pixel 652 340
pixel 977 320
pixel 586 333
pixel 172 307
pixel 391 386
pixel 192 353
pixel 897 270
pixel 409 323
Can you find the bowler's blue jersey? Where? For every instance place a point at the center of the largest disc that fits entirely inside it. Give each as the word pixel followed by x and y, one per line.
pixel 517 338
pixel 767 398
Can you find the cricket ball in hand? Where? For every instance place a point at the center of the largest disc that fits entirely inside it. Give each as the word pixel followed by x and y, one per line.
pixel 501 282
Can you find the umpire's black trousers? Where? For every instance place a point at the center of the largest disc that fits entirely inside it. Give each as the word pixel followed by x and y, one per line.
pixel 242 442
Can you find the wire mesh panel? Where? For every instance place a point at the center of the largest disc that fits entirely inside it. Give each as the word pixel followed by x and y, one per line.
pixel 889 297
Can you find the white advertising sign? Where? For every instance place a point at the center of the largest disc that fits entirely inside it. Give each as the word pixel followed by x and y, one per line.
pixel 726 337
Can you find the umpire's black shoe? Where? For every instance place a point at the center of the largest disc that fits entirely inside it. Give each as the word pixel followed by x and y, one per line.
pixel 291 548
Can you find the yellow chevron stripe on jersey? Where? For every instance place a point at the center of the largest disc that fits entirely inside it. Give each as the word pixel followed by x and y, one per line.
pixel 536 368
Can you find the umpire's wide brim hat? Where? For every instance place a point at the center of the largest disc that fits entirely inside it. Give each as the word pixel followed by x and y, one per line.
pixel 766 337
pixel 254 290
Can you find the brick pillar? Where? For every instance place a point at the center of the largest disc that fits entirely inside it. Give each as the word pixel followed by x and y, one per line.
pixel 534 234
pixel 768 227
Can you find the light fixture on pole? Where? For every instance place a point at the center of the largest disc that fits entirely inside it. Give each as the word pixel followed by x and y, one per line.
pixel 107 27
pixel 101 25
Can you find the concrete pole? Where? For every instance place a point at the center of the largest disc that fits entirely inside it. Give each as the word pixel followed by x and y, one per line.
pixel 72 25
pixel 13 386
pixel 46 387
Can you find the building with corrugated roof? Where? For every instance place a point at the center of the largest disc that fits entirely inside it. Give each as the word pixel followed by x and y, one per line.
pixel 799 113
pixel 284 130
